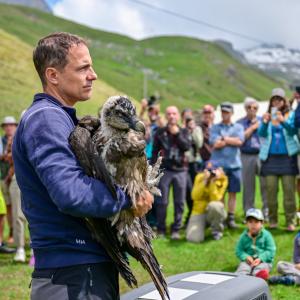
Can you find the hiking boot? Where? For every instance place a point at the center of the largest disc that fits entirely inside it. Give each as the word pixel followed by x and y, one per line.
pixel 231 224
pixel 20 255
pixel 175 236
pixel 283 279
pixel 6 250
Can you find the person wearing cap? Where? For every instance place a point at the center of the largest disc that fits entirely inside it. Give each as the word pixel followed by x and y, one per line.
pixel 9 126
pixel 278 154
pixel 226 138
pixel 207 120
pixel 256 247
pixel 249 156
pixel 208 208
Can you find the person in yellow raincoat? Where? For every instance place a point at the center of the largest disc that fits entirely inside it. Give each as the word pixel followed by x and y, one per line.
pixel 208 206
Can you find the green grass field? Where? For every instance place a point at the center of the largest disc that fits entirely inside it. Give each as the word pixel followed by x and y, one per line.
pixel 175 256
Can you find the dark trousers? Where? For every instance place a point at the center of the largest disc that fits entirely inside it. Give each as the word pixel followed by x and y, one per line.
pixel 178 180
pixel 192 172
pixel 80 282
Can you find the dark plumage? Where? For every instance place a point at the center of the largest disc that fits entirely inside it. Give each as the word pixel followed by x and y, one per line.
pixel 114 152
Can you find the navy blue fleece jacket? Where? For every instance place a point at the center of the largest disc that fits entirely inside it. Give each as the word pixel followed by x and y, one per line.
pixel 56 193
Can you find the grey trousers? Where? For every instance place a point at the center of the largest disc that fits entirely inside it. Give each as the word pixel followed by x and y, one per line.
pixel 215 216
pixel 289 201
pixel 81 282
pixel 287 268
pixel 251 168
pixel 19 221
pixel 178 180
pixel 246 269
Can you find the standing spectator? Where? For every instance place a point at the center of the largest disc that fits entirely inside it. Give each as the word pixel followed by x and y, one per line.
pixel 279 157
pixel 193 158
pixel 9 125
pixel 19 221
pixel 290 271
pixel 249 156
pixel 208 207
pixel 152 123
pixel 256 247
pixel 226 139
pixel 296 97
pixel 171 142
pixel 56 193
pixel 208 115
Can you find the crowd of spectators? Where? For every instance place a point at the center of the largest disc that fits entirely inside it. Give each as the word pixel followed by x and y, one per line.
pixel 202 162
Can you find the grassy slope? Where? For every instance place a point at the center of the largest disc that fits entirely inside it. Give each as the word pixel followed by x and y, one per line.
pixel 19 81
pixel 185 71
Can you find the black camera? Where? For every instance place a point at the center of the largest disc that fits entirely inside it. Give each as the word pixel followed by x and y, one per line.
pixel 152 100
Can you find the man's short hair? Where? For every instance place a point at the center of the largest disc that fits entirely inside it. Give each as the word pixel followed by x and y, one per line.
pixel 52 51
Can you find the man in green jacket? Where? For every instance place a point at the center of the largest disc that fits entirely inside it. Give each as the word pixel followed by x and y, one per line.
pixel 256 247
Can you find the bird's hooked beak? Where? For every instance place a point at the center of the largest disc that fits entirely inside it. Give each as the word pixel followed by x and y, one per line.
pixel 138 125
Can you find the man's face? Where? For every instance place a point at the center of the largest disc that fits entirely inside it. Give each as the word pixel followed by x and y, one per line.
pixel 254 226
pixel 226 116
pixel 172 115
pixel 9 129
pixel 208 117
pixel 297 95
pixel 74 82
pixel 251 110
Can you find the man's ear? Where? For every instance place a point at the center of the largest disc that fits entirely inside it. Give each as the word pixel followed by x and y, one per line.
pixel 51 75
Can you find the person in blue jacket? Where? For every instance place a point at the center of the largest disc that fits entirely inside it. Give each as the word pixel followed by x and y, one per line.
pixel 56 193
pixel 278 153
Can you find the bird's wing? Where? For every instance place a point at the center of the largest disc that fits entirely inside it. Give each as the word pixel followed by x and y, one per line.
pixel 101 229
pixel 87 154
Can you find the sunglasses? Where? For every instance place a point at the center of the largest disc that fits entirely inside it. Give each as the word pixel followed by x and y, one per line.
pixel 252 107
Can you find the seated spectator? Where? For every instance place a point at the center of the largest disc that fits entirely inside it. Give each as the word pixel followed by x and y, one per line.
pixel 278 154
pixel 256 247
pixel 208 207
pixel 290 271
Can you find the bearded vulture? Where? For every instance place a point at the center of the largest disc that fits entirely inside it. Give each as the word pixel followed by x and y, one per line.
pixel 112 149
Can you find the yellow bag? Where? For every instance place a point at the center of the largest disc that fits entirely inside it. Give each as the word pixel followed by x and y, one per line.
pixel 2 204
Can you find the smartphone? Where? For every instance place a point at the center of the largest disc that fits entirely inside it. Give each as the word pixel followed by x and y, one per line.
pixel 274 113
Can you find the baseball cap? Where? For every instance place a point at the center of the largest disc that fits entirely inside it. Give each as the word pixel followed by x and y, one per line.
pixel 297 89
pixel 254 213
pixel 207 108
pixel 227 106
pixel 279 92
pixel 8 121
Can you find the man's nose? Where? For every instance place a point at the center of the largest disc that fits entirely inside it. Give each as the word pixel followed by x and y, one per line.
pixel 92 75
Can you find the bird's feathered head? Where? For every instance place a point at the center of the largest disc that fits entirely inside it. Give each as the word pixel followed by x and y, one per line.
pixel 119 113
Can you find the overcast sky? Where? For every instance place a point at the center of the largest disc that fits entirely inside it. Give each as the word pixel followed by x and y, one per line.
pixel 272 21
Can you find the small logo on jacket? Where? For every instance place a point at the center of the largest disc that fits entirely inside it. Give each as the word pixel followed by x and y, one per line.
pixel 80 242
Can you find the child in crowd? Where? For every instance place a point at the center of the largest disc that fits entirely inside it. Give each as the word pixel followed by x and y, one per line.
pixel 290 271
pixel 256 247
pixel 208 207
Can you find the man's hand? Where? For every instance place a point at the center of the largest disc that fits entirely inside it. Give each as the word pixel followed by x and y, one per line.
pixel 255 125
pixel 219 144
pixel 249 260
pixel 143 204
